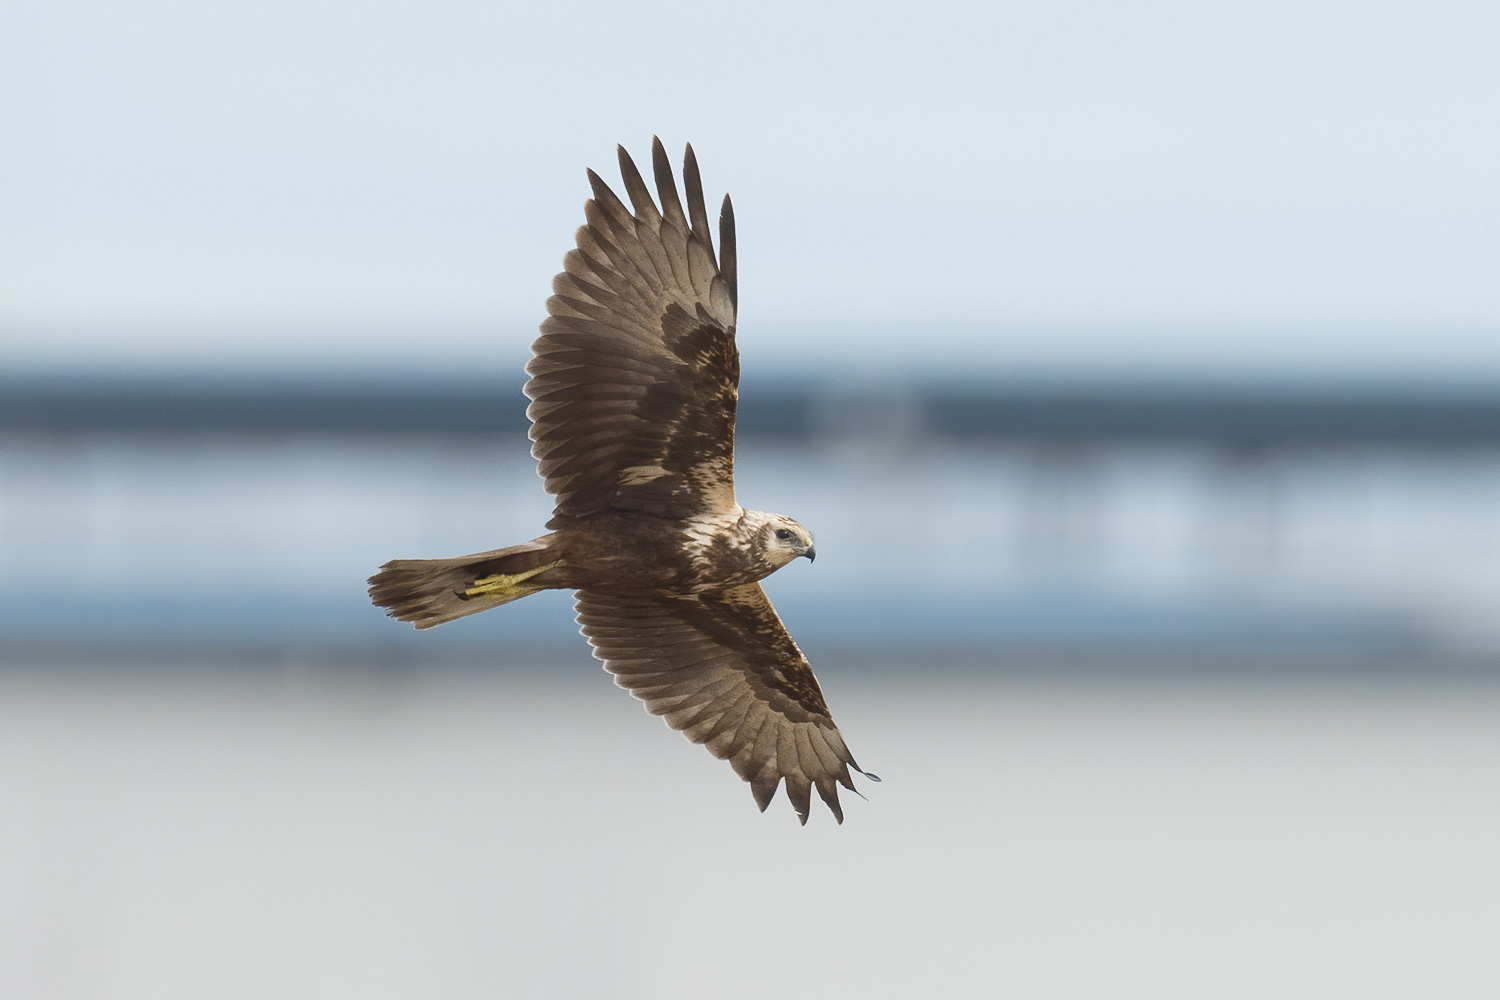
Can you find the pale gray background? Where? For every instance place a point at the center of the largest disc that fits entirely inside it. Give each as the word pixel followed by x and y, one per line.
pixel 1070 186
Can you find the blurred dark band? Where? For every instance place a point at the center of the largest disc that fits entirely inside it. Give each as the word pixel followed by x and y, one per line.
pixel 790 410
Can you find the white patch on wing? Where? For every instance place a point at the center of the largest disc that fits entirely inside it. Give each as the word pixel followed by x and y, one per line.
pixel 635 475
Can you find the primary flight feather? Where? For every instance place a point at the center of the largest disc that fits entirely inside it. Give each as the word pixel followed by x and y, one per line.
pixel 633 389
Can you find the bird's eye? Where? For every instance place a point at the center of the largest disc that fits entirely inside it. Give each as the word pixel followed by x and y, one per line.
pixel 783 534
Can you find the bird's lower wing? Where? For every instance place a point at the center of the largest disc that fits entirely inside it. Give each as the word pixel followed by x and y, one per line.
pixel 721 669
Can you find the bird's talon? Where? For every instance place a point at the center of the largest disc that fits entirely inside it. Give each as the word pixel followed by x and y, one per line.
pixel 500 584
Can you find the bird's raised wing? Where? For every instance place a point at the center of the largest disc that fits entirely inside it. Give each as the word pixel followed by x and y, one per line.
pixel 635 378
pixel 721 669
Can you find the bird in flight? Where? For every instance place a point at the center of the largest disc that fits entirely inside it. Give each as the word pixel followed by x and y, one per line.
pixel 633 390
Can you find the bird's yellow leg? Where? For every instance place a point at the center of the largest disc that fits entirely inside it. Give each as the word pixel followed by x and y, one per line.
pixel 504 584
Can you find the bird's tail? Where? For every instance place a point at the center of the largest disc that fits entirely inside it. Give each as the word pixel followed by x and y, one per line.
pixel 428 592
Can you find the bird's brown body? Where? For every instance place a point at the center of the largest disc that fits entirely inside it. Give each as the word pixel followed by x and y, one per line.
pixel 634 387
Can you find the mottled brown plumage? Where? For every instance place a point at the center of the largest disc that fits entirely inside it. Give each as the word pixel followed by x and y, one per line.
pixel 633 388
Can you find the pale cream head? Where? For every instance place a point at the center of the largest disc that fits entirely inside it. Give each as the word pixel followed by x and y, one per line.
pixel 781 538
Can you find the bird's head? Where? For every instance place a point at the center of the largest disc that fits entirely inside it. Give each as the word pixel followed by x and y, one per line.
pixel 784 540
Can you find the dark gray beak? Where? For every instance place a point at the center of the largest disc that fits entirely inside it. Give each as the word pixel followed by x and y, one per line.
pixel 811 553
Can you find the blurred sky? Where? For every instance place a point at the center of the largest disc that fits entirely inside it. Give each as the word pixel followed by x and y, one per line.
pixel 1080 186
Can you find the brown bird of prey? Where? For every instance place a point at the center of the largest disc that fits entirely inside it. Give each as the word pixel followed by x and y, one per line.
pixel 633 390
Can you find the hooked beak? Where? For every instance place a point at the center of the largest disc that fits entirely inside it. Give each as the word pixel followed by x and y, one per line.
pixel 811 553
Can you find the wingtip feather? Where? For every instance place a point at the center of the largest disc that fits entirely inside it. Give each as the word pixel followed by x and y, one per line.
pixel 728 251
pixel 697 208
pixel 763 787
pixel 799 793
pixel 829 793
pixel 666 185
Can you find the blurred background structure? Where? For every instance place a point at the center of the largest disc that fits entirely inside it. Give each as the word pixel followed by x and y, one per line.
pixel 1136 367
pixel 958 514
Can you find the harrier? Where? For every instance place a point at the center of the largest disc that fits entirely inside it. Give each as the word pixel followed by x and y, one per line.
pixel 633 391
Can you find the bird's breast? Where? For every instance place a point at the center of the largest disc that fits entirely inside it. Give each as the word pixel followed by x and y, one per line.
pixel 631 554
